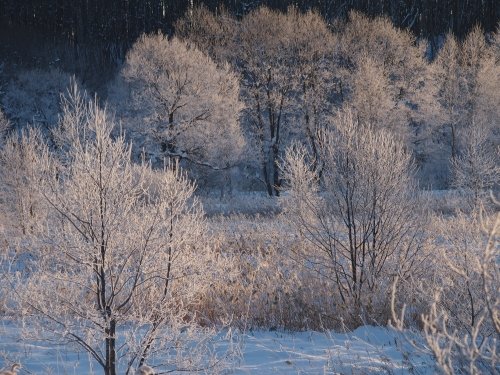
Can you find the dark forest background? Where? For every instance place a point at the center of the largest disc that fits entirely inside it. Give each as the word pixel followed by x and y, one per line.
pixel 89 36
pixel 105 21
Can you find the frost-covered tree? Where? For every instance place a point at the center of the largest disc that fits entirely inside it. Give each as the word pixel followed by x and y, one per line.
pixel 467 76
pixel 285 62
pixel 19 201
pixel 267 65
pixel 362 220
pixel 452 94
pixel 314 47
pixel 120 256
pixel 185 106
pixel 477 169
pixel 374 99
pixel 474 53
pixel 212 33
pixel 394 51
pixel 487 99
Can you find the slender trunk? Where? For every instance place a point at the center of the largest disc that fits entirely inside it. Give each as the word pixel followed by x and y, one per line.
pixel 272 146
pixel 453 143
pixel 471 299
pixel 267 180
pixel 352 243
pixel 169 264
pixel 103 302
pixel 314 147
pixel 265 157
pixel 156 323
pixel 373 252
pixel 276 176
pixel 309 131
pixel 111 348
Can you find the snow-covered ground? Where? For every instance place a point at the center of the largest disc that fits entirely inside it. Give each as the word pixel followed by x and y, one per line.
pixel 367 350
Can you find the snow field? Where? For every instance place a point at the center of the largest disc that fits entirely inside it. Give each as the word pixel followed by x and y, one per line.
pixel 366 350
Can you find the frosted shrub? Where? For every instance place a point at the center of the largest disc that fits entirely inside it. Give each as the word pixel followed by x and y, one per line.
pixel 262 287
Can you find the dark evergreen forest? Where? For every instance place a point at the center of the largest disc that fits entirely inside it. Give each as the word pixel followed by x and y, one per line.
pixel 90 37
pixel 124 20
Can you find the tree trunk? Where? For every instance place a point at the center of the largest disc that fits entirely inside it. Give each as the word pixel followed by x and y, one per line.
pixel 453 143
pixel 267 177
pixel 264 150
pixel 111 349
pixel 276 177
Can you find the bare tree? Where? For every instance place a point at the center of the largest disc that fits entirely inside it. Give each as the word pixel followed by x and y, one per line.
pixel 465 75
pixel 314 47
pixel 392 48
pixel 451 93
pixel 476 170
pixel 286 66
pixel 212 33
pixel 394 53
pixel 266 64
pixel 20 201
pixel 487 100
pixel 363 221
pixel 474 53
pixel 375 101
pixel 186 106
pixel 119 258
